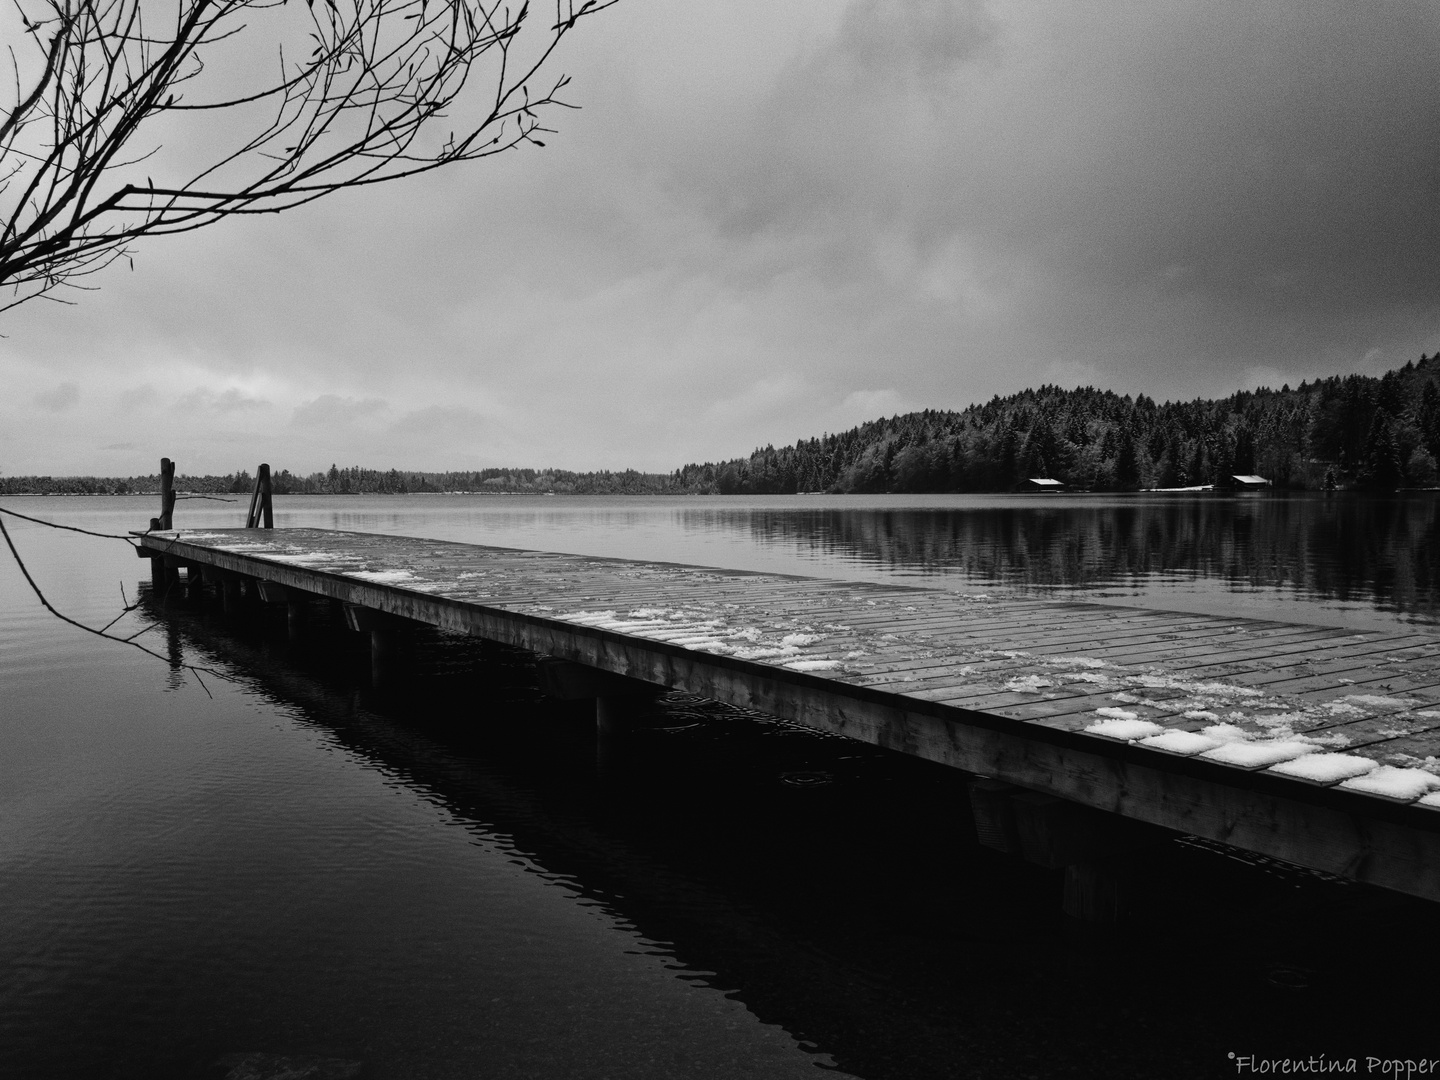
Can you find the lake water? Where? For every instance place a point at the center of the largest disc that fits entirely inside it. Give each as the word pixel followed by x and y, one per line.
pixel 278 869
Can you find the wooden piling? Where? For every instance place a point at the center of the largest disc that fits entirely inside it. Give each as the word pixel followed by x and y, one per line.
pixel 297 618
pixel 169 576
pixel 614 716
pixel 195 582
pixel 1093 892
pixel 261 501
pixel 1087 844
pixel 387 644
pixel 385 651
pixel 295 601
pixel 994 814
pixel 230 594
pixel 166 518
pixel 617 698
pixel 167 493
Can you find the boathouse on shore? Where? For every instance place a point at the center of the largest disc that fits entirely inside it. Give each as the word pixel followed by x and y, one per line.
pixel 1249 483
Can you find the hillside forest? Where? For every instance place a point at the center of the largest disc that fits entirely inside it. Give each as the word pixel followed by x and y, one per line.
pixel 1354 431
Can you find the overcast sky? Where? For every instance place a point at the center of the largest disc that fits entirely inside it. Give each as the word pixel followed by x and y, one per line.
pixel 775 220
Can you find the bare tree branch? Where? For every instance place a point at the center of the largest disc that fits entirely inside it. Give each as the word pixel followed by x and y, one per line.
pixel 103 632
pixel 103 89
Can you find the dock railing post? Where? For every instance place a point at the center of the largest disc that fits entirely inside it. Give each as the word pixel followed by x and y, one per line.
pixel 261 504
pixel 162 571
pixel 267 508
pixel 167 493
pixel 166 520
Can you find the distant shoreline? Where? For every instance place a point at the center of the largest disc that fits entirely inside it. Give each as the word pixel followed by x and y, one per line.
pixel 1352 432
pixel 1222 493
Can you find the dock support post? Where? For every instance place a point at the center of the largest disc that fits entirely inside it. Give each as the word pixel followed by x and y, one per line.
pixel 1088 844
pixel 617 699
pixel 614 715
pixel 1094 892
pixel 617 708
pixel 384 656
pixel 995 826
pixel 296 620
pixel 167 496
pixel 387 644
pixel 250 592
pixel 230 594
pixel 169 574
pixel 294 600
pixel 614 720
pixel 194 583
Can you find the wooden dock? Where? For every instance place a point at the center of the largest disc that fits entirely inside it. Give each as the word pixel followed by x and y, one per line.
pixel 1315 745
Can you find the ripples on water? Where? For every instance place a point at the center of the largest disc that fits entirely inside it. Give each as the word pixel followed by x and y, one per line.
pixel 448 883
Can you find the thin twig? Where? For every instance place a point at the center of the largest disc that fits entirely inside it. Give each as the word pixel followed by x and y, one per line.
pixel 123 612
pixel 68 528
pixel 100 633
pixel 143 630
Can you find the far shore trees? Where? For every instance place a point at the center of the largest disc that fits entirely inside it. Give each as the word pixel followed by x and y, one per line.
pixel 1353 432
pixel 1361 432
pixel 122 119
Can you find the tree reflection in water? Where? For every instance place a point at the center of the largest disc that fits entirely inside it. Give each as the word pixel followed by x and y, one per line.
pixel 1353 549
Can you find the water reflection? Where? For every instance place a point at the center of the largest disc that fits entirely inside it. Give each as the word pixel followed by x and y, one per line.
pixel 1373 552
pixel 1353 560
pixel 1342 559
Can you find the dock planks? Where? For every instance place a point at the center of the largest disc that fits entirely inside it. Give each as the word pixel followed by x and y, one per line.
pixel 1041 694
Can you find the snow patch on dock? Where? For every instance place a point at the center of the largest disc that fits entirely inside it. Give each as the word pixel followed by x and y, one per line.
pixel 1122 725
pixel 705 631
pixel 1395 783
pixel 1325 768
pixel 384 577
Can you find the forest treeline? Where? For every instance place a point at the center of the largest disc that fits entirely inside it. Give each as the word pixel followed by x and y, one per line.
pixel 353 481
pixel 1352 431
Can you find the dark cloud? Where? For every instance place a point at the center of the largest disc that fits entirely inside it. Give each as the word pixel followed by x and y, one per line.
pixel 770 219
pixel 1160 190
